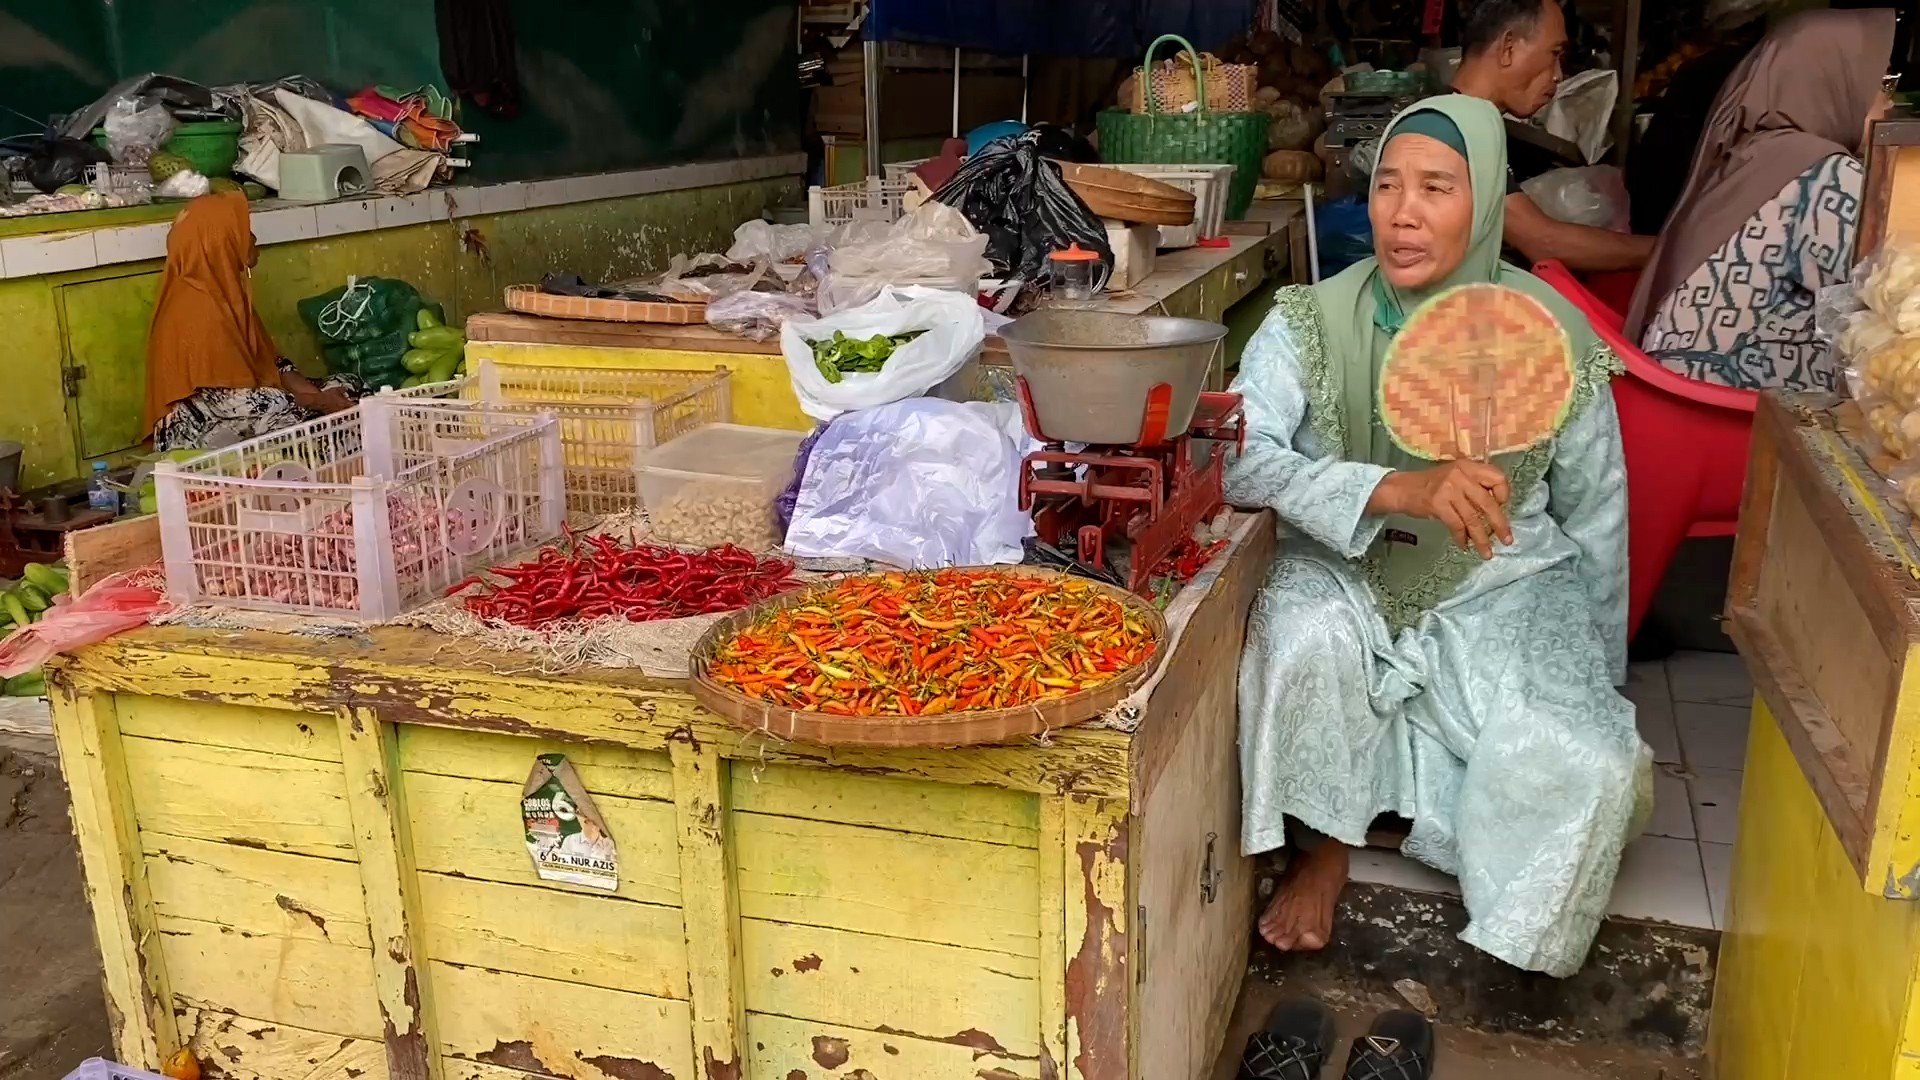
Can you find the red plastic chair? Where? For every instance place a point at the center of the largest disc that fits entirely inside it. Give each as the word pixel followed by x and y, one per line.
pixel 1685 443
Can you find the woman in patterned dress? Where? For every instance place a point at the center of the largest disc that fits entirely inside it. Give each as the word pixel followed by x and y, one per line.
pixel 1768 215
pixel 214 376
pixel 1440 642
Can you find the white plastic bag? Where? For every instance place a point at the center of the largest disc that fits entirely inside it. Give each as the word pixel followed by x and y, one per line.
pixel 954 332
pixel 918 483
pixel 935 246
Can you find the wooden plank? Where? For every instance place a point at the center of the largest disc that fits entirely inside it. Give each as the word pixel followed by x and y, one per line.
pixel 258 892
pixel 307 983
pixel 473 828
pixel 785 1049
pixel 416 678
pixel 242 1048
pixel 709 880
pixel 1099 982
pixel 605 770
pixel 237 727
pixel 1194 890
pixel 138 984
pixel 887 984
pixel 506 326
pixel 558 1028
pixel 268 801
pixel 963 812
pixel 1894 854
pixel 382 840
pixel 556 935
pixel 958 892
pixel 1206 656
pixel 93 555
pixel 1053 936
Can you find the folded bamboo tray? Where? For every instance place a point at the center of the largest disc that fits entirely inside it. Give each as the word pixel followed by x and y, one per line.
pixel 978 728
pixel 530 300
pixel 1124 196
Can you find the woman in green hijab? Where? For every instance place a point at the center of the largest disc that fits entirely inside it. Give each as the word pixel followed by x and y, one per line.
pixel 1439 641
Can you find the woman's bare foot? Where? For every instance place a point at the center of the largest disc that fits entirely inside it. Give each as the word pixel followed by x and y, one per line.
pixel 1300 916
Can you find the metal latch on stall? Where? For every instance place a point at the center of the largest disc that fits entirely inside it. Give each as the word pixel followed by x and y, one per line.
pixel 1210 874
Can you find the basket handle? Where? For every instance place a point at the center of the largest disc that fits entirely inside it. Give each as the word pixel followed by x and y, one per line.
pixel 1199 77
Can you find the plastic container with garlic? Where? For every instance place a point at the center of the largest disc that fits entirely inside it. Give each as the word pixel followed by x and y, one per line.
pixel 717 484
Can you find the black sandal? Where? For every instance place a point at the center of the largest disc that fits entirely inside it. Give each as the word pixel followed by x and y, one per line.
pixel 1294 1045
pixel 1399 1046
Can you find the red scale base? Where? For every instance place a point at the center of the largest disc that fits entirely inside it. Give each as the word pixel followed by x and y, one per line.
pixel 1145 498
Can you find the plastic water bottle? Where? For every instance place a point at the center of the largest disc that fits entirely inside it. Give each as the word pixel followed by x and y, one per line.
pixel 100 494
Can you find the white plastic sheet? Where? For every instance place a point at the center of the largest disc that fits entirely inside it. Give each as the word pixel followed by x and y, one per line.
pixel 917 483
pixel 954 332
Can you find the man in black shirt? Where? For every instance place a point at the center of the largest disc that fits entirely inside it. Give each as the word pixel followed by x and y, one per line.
pixel 1510 55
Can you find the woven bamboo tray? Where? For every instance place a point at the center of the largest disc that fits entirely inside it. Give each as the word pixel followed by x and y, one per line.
pixel 532 301
pixel 978 728
pixel 1123 196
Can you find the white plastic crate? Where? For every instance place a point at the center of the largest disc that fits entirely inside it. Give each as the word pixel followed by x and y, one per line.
pixel 902 170
pixel 609 418
pixel 1210 185
pixel 367 513
pixel 873 199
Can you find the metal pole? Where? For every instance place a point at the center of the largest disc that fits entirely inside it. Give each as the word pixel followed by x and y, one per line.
pixel 1313 238
pixel 1024 85
pixel 870 54
pixel 956 92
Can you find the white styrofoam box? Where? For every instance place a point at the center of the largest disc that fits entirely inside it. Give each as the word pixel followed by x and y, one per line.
pixel 1134 247
pixel 1211 186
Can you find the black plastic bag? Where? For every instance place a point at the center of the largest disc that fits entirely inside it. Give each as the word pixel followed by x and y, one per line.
pixel 50 163
pixel 1014 195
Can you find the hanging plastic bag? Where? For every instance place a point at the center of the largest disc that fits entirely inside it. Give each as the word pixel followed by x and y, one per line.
pixel 950 331
pixel 918 483
pixel 1011 192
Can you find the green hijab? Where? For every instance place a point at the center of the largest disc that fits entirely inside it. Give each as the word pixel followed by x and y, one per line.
pixel 1357 312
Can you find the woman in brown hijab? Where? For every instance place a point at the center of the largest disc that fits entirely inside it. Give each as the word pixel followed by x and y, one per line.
pixel 1768 214
pixel 214 376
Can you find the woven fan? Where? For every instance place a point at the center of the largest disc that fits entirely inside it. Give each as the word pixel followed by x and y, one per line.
pixel 1477 371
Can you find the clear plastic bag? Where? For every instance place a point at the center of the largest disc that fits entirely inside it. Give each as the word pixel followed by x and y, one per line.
pixel 917 483
pixel 757 315
pixel 1595 195
pixel 136 131
pixel 934 246
pixel 1889 283
pixel 759 239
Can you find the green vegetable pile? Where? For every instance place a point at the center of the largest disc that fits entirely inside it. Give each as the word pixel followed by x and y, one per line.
pixel 438 353
pixel 841 354
pixel 23 604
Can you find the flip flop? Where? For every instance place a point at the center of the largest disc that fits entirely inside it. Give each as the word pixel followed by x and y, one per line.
pixel 1399 1046
pixel 1293 1046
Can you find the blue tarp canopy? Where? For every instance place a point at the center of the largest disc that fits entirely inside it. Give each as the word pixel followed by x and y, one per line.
pixel 1112 28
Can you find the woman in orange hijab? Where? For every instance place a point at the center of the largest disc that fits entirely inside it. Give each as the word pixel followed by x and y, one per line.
pixel 214 376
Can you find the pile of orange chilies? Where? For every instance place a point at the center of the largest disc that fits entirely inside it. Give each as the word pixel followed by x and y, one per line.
pixel 920 644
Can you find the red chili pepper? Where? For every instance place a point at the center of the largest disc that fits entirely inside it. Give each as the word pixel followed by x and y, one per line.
pixel 599 576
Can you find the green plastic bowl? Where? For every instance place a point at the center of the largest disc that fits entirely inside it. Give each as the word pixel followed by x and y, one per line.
pixel 210 146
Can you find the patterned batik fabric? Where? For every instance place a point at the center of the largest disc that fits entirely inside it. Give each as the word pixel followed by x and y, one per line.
pixel 1492 721
pixel 1745 317
pixel 215 417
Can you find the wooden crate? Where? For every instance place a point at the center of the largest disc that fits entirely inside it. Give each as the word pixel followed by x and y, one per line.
pixel 305 860
pixel 1824 603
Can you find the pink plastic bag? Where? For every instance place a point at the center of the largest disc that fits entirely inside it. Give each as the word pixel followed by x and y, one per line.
pixel 119 603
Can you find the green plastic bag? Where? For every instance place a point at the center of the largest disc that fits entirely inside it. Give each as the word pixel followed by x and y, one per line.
pixel 363 327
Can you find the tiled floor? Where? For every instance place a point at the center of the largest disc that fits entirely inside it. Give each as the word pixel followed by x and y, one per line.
pixel 1693 713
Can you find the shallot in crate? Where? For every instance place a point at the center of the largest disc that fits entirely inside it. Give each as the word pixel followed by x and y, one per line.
pixel 367 513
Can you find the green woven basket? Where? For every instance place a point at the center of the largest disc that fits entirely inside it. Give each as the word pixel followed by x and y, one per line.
pixel 1201 137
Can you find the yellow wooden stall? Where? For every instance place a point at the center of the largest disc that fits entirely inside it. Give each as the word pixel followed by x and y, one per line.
pixel 1819 973
pixel 306 862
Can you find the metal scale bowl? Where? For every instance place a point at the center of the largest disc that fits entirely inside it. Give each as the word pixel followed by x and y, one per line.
pixel 1129 387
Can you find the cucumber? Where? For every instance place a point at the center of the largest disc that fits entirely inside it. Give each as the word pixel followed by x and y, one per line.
pixel 16 610
pixel 428 318
pixel 417 360
pixel 31 684
pixel 33 596
pixel 437 338
pixel 412 381
pixel 51 579
pixel 443 367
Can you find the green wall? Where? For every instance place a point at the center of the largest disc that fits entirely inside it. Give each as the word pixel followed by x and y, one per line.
pixel 607 85
pixel 466 264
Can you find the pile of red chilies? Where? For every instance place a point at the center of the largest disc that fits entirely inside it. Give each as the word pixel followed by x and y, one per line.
pixel 599 577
